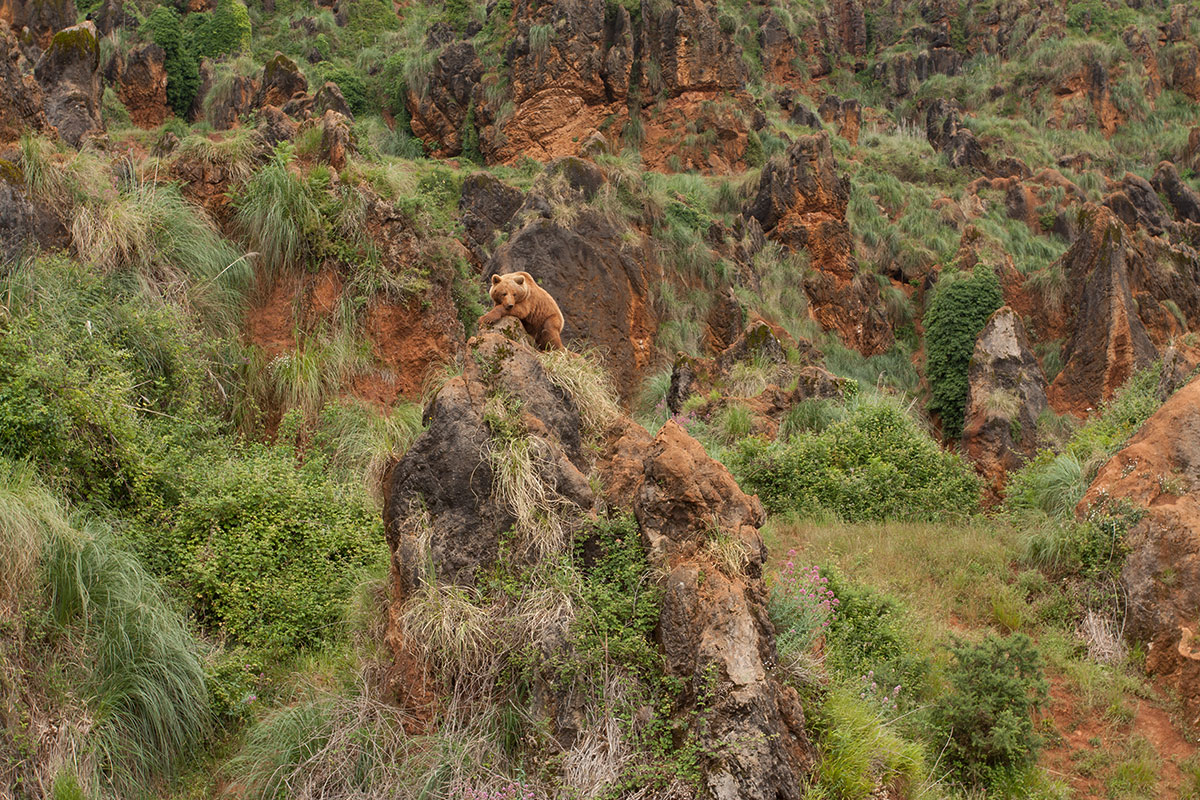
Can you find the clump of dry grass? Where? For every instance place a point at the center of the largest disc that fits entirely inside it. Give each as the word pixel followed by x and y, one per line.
pixel 585 380
pixel 1103 636
pixel 523 480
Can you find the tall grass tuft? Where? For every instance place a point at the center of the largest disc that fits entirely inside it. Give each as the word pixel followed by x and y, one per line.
pixel 169 245
pixel 277 215
pixel 151 702
pixel 142 674
pixel 584 379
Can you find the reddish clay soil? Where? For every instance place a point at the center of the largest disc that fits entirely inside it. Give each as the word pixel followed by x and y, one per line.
pixel 1080 728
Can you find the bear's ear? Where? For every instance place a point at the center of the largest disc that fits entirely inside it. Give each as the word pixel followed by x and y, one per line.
pixel 495 279
pixel 520 280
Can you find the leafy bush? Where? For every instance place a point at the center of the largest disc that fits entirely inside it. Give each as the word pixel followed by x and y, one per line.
pixel 985 717
pixel 957 312
pixel 621 610
pixel 875 464
pixel 88 377
pixel 226 30
pixel 164 27
pixel 354 88
pixel 869 638
pixel 264 550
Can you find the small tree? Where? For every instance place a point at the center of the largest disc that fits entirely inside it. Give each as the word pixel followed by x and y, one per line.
pixel 985 718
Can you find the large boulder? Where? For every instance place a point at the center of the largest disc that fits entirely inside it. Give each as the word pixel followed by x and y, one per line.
pixel 43 18
pixel 445 524
pixel 1182 197
pixel 21 101
pixel 1159 471
pixel 1006 394
pixel 281 81
pixel 1108 342
pixel 69 74
pixel 143 85
pixel 801 203
pixel 603 292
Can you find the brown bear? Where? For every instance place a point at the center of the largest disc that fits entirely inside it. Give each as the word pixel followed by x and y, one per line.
pixel 516 294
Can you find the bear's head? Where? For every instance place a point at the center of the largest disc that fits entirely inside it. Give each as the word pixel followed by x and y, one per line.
pixel 508 290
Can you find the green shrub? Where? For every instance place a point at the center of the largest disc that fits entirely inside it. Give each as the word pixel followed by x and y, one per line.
pixel 226 30
pixel 985 717
pixel 354 88
pixel 90 378
pixel 621 607
pixel 957 312
pixel 265 551
pixel 868 641
pixel 164 27
pixel 875 464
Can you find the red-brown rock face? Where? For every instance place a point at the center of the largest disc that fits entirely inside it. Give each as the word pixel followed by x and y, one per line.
pixel 1006 393
pixel 21 100
pixel 143 86
pixel 1160 471
pixel 801 203
pixel 1108 342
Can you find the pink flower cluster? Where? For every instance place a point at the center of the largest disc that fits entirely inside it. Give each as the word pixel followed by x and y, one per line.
pixel 513 791
pixel 871 691
pixel 802 604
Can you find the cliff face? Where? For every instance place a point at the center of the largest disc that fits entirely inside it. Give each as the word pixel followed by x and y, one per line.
pixel 1159 472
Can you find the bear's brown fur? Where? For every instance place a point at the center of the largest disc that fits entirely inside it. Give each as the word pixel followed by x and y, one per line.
pixel 517 294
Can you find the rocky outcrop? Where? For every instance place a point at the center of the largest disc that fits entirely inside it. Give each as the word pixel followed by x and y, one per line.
pixel 16 215
pixel 846 115
pixel 43 18
pixel 1182 197
pixel 692 53
pixel 281 81
pixel 1159 471
pixel 1137 205
pixel 486 205
pixel 69 74
pixel 713 631
pixel 142 85
pixel 801 203
pixel 1108 341
pixel 112 15
pixel 329 98
pixel 1185 75
pixel 947 135
pixel 1006 394
pixel 234 101
pixel 21 101
pixel 439 113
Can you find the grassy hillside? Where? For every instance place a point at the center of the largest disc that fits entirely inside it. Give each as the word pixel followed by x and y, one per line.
pixel 219 331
